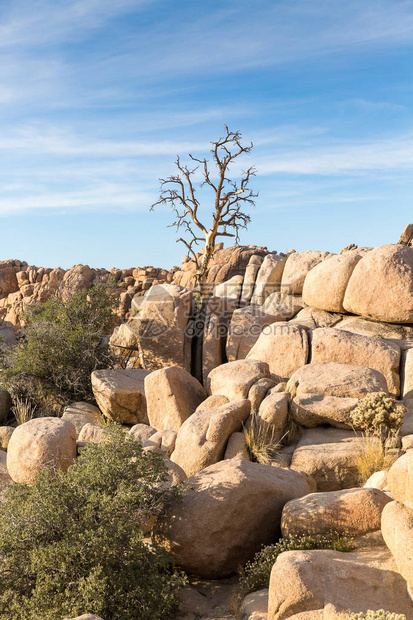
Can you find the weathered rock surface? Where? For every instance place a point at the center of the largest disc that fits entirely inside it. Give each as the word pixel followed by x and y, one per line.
pixel 5 478
pixel 254 606
pixel 334 379
pixel 397 530
pixel 250 277
pixel 333 345
pixel 202 438
pixel 5 433
pixel 283 305
pixel 378 480
pixel 80 414
pixel 161 316
pixel 231 289
pixel 273 413
pixel 407 388
pixel 218 317
pixel 120 394
pixel 245 328
pixel 400 480
pixel 351 511
pixel 235 379
pixel 41 443
pixel 269 277
pixel 311 410
pixel 296 269
pixel 284 347
pixel 227 513
pixel 310 585
pixel 172 395
pixel 402 335
pixel 161 442
pixel 142 432
pixel 330 457
pixel 381 285
pixel 237 447
pixel 92 433
pixel 5 405
pixel 325 285
pixel 311 318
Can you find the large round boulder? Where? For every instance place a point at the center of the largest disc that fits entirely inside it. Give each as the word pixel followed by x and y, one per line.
pixel 335 345
pixel 297 267
pixel 325 285
pixel 321 584
pixel 335 379
pixel 351 511
pixel 381 285
pixel 41 443
pixel 228 511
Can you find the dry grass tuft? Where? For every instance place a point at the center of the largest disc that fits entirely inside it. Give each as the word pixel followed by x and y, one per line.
pixel 262 440
pixel 374 456
pixel 23 410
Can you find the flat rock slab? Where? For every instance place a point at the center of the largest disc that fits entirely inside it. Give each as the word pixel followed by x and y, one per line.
pixel 311 410
pixel 335 379
pixel 330 457
pixel 323 582
pixel 120 394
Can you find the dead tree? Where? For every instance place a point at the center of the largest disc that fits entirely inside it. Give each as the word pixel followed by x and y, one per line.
pixel 230 197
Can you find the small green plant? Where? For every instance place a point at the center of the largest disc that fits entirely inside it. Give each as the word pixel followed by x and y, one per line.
pixel 378 414
pixel 74 543
pixel 262 440
pixel 23 410
pixel 256 574
pixel 63 344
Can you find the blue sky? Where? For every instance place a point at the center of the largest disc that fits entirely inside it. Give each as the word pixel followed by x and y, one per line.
pixel 97 97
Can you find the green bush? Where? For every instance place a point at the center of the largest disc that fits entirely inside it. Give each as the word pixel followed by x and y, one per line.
pixel 378 414
pixel 75 543
pixel 256 574
pixel 62 346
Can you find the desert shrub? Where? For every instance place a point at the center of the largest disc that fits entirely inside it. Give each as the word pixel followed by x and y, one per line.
pixel 255 575
pixel 378 414
pixel 63 344
pixel 74 543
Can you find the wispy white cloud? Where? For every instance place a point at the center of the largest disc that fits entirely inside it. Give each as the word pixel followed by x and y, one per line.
pixel 379 155
pixel 108 196
pixel 41 22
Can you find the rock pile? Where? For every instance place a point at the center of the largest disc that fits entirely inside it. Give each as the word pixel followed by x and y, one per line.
pixel 288 343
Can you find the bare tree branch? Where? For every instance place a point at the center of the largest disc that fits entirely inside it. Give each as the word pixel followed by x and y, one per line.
pixel 230 198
